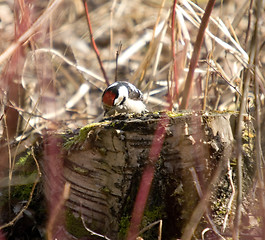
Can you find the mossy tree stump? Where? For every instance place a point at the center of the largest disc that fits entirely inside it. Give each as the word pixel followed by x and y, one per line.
pixel 105 161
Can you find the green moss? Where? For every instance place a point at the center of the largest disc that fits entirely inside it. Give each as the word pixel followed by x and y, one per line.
pixel 23 159
pixel 21 192
pixel 24 164
pixel 151 215
pixel 81 137
pixel 74 225
pixel 175 114
pixel 124 226
pixel 105 190
pixel 81 171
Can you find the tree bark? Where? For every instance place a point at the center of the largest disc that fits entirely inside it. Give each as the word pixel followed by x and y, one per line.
pixel 105 161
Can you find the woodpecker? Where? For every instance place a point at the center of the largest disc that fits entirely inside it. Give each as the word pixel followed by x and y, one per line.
pixel 122 97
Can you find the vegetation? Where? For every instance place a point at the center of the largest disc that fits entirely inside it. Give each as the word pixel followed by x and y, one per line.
pixel 56 59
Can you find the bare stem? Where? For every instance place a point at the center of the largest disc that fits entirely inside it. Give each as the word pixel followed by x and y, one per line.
pixel 196 53
pixel 202 205
pixel 35 26
pixel 147 179
pixel 175 69
pixel 94 43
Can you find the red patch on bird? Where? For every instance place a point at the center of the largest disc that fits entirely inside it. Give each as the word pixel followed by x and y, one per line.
pixel 108 98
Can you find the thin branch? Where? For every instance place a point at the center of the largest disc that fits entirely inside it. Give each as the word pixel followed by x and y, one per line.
pixel 250 10
pixel 150 226
pixel 200 193
pixel 229 205
pixel 246 81
pixel 114 3
pixel 30 196
pixel 218 70
pixel 209 229
pixel 202 205
pixel 160 230
pixel 258 151
pixel 92 232
pixel 175 93
pixel 237 50
pixel 239 158
pixel 206 85
pixel 259 162
pixel 94 44
pixel 81 69
pixel 196 53
pixel 154 39
pixel 25 37
pixel 117 61
pixel 237 220
pixel 9 159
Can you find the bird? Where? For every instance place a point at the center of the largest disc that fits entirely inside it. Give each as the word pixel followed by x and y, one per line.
pixel 122 97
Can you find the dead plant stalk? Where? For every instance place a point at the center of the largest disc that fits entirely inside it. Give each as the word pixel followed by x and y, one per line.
pixel 196 53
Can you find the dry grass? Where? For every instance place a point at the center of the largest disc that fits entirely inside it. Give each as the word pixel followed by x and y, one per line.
pixel 51 79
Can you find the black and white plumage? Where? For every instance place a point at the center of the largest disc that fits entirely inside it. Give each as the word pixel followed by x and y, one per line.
pixel 122 97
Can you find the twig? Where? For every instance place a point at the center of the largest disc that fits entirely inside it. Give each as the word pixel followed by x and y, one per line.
pixel 244 97
pixel 10 169
pixel 94 44
pixel 200 193
pixel 140 43
pixel 175 93
pixel 250 10
pixel 24 37
pixel 219 24
pixel 117 61
pixel 114 3
pixel 156 61
pixel 202 205
pixel 259 162
pixel 30 196
pixel 206 85
pixel 68 61
pixel 221 73
pixel 154 42
pixel 92 232
pixel 160 230
pixel 196 54
pixel 240 13
pixel 209 229
pixel 246 81
pixel 258 153
pixel 239 158
pixel 150 226
pixel 229 205
pixel 80 93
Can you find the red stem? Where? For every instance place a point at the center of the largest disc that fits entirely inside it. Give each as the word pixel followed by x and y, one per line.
pixel 54 186
pixel 196 53
pixel 94 43
pixel 147 178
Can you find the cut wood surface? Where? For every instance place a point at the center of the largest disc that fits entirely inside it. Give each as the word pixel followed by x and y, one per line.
pixel 105 161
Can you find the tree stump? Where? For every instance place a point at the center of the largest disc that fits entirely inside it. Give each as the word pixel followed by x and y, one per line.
pixel 105 161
